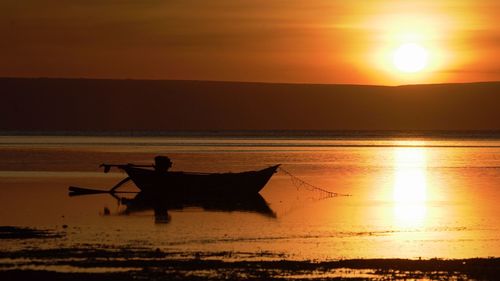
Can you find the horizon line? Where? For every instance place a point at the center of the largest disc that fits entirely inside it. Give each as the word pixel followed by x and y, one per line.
pixel 245 82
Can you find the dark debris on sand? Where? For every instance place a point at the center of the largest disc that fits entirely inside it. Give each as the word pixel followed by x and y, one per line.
pixel 12 232
pixel 154 264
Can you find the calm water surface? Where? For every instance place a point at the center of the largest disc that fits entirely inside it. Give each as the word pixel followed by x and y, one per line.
pixel 410 198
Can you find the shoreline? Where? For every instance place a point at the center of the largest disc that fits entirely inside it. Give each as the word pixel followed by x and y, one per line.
pixel 98 262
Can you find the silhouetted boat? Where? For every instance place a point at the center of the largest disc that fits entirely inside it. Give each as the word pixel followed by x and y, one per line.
pixel 163 190
pixel 190 183
pixel 158 180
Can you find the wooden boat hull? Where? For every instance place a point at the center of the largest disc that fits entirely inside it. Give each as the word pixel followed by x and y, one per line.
pixel 200 184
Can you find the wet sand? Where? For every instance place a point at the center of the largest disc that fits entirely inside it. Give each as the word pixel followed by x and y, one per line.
pixel 101 262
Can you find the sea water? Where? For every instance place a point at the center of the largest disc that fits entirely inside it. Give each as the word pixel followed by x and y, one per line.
pixel 425 197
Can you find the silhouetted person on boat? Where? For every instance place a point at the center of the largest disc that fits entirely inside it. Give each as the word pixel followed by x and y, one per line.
pixel 162 164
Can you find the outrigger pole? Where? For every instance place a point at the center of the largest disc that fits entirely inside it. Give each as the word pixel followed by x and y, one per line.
pixel 112 190
pixel 76 191
pixel 107 167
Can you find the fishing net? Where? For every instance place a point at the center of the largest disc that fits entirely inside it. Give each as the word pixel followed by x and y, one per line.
pixel 306 194
pixel 299 183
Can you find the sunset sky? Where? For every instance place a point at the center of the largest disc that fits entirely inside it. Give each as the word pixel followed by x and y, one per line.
pixel 307 41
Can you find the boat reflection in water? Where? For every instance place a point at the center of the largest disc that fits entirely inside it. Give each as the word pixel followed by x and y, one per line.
pixel 161 204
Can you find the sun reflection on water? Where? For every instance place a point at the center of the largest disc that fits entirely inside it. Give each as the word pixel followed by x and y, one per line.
pixel 410 187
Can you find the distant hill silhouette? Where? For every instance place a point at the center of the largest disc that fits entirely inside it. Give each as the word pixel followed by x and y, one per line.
pixel 144 105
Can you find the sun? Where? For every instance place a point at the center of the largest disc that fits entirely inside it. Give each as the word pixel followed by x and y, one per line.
pixel 410 58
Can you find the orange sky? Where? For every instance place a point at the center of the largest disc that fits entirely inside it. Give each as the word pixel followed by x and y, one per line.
pixel 255 40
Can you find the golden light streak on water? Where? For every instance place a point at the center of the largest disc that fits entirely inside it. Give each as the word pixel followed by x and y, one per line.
pixel 410 187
